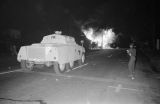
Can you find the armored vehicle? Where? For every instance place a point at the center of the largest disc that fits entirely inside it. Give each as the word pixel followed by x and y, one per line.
pixel 57 51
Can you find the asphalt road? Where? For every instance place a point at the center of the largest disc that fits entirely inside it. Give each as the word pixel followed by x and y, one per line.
pixel 102 79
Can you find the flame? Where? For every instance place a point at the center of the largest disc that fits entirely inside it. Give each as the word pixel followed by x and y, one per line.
pixel 103 38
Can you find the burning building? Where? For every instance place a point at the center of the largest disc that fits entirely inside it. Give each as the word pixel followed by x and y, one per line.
pixel 103 37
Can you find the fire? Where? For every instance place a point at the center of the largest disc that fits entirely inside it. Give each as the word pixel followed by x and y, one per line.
pixel 103 38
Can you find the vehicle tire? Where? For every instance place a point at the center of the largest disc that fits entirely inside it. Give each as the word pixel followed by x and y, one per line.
pixel 71 64
pixel 83 58
pixel 58 68
pixel 62 67
pixel 23 64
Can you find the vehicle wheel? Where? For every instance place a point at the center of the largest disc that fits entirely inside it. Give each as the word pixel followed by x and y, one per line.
pixel 62 67
pixel 23 64
pixel 71 64
pixel 58 68
pixel 83 58
pixel 81 61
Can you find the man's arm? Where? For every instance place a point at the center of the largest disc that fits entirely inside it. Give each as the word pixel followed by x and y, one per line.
pixel 128 51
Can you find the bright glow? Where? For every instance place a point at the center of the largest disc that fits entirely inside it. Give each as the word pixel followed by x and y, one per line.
pixel 103 38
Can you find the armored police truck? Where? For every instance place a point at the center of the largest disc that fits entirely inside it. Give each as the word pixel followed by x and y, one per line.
pixel 55 50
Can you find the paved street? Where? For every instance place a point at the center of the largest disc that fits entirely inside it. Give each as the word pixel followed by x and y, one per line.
pixel 102 79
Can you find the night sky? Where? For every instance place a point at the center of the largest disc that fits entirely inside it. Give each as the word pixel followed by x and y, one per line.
pixel 38 17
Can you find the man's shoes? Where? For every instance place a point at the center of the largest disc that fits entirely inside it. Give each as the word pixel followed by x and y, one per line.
pixel 132 77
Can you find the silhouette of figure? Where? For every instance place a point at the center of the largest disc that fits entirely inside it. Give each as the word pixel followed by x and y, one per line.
pixel 131 64
pixel 13 50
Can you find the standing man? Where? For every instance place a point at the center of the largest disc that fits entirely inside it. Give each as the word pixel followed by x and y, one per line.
pixel 131 65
